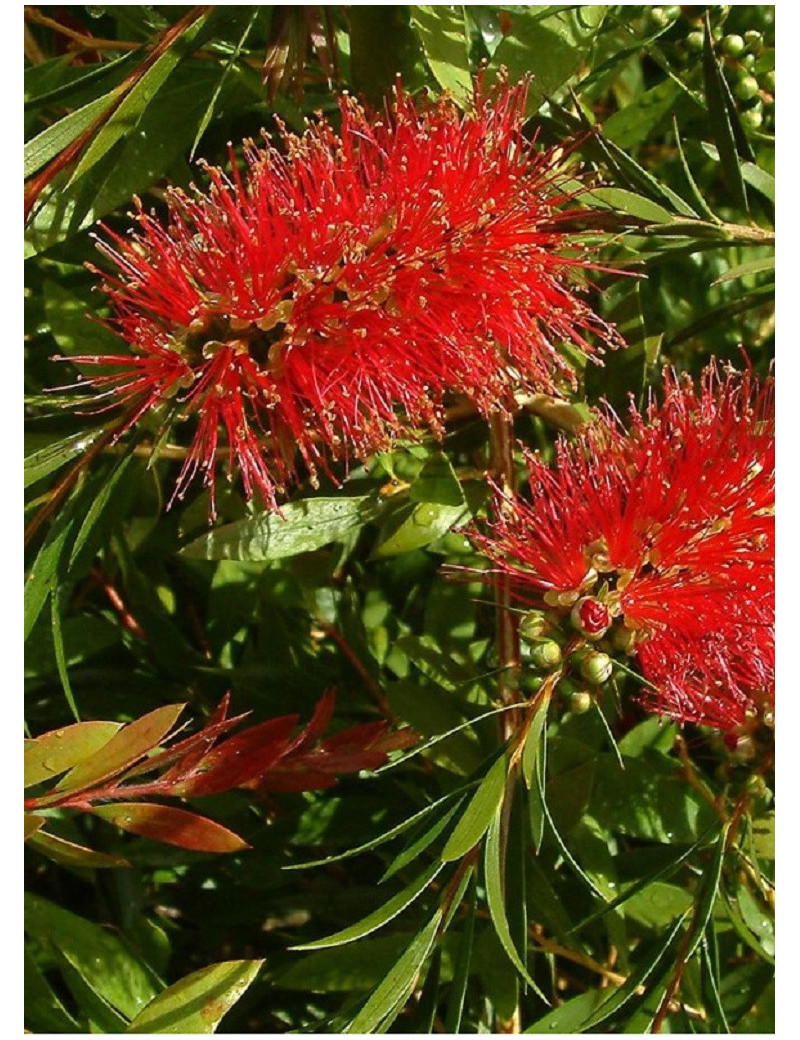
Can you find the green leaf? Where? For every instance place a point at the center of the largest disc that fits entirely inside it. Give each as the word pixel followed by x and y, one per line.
pixel 633 124
pixel 461 971
pixel 130 110
pixel 495 897
pixel 658 955
pixel 198 1003
pixel 759 179
pixel 437 482
pixel 47 460
pixel 72 855
pixel 44 1012
pixel 719 117
pixel 378 917
pixel 479 813
pixel 393 832
pixel 300 527
pixel 629 202
pixel 173 826
pixel 648 800
pixel 48 144
pixel 99 507
pixel 101 960
pixel 125 747
pixel 32 825
pixel 60 653
pixel 552 47
pixel 422 842
pixel 570 1016
pixel 342 969
pixel 408 527
pixel 55 752
pixel 442 31
pixel 763 263
pixel 209 112
pixel 387 1000
pixel 41 578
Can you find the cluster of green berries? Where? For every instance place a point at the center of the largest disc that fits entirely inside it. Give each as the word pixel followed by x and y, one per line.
pixel 544 644
pixel 748 69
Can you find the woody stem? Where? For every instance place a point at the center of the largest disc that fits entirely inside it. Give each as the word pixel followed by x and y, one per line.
pixel 501 439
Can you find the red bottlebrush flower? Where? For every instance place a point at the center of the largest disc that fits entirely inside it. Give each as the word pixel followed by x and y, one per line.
pixel 332 295
pixel 671 525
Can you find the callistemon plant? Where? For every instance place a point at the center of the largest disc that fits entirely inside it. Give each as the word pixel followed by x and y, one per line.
pixel 655 543
pixel 335 292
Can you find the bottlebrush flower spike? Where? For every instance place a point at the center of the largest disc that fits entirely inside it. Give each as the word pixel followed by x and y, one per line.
pixel 671 524
pixel 333 294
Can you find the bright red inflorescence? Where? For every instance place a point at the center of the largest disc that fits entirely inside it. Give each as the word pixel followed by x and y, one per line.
pixel 671 523
pixel 331 296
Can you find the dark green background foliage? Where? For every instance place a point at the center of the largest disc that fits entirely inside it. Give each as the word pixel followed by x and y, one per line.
pixel 129 606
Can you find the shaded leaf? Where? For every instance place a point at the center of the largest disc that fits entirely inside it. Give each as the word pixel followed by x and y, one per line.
pixel 72 855
pixel 378 917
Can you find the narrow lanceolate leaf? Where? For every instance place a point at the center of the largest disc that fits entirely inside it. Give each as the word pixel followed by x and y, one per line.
pixel 300 527
pixel 172 826
pixel 101 959
pixel 126 747
pixel 479 813
pixel 458 988
pixel 32 825
pixel 381 916
pixel 209 112
pixel 197 1003
pixel 442 31
pixel 47 145
pixel 764 263
pixel 71 854
pixel 495 897
pixel 386 1002
pixel 127 115
pixel 422 842
pixel 40 464
pixel 98 506
pixel 55 752
pixel 719 118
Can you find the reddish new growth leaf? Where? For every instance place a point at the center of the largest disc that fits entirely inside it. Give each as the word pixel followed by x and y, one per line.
pixel 334 292
pixel 270 756
pixel 670 527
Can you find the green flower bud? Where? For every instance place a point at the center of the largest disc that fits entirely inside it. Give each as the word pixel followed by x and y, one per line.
pixel 756 785
pixel 694 41
pixel 754 41
pixel 623 639
pixel 546 655
pixel 580 702
pixel 768 81
pixel 753 117
pixel 747 88
pixel 530 683
pixel 673 13
pixel 733 45
pixel 596 668
pixel 532 626
pixel 658 17
pixel 748 61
